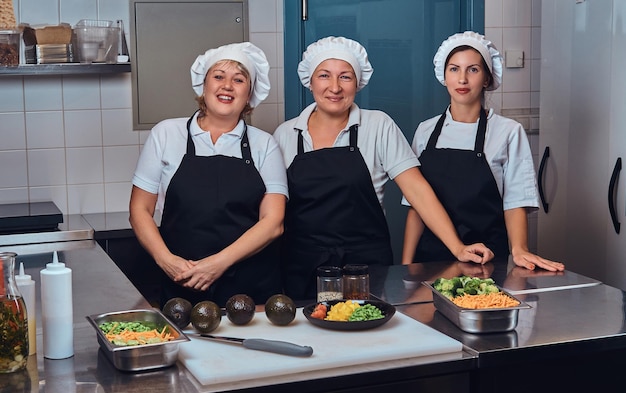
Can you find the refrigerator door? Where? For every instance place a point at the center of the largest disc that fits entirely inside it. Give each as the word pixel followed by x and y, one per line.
pixel 581 116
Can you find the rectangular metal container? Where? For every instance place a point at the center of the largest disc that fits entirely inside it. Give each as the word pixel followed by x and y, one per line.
pixel 486 320
pixel 139 357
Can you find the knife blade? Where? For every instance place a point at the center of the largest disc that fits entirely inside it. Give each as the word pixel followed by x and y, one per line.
pixel 259 344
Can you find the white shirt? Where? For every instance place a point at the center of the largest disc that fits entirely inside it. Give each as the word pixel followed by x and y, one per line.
pixel 166 145
pixel 506 149
pixel 382 144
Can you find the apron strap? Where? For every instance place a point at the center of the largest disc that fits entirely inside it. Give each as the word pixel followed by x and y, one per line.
pixel 432 141
pixel 246 154
pixel 354 133
pixel 479 143
pixel 191 148
pixel 300 142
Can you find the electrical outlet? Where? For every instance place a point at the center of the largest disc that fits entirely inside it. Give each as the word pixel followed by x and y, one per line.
pixel 514 59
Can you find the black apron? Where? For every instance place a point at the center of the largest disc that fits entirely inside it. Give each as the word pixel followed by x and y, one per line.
pixel 468 191
pixel 333 216
pixel 210 203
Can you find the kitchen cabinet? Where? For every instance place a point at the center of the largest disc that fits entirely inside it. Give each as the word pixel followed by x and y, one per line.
pixel 112 231
pixel 136 264
pixel 166 36
pixel 582 137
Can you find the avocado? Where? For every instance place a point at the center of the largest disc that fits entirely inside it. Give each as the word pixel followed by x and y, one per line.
pixel 206 316
pixel 178 311
pixel 280 309
pixel 240 309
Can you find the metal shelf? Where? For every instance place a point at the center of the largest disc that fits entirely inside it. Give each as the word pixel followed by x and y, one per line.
pixel 64 69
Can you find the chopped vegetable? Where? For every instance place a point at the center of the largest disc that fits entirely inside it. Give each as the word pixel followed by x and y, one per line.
pixel 348 311
pixel 457 286
pixel 366 312
pixel 485 300
pixel 341 311
pixel 134 333
pixel 320 311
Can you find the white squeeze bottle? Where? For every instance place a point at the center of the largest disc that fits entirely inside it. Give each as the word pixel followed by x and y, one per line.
pixel 56 310
pixel 26 285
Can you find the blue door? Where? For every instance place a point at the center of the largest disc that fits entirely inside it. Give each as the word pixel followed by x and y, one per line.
pixel 401 38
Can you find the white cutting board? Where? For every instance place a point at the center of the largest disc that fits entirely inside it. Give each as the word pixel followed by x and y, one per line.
pixel 213 362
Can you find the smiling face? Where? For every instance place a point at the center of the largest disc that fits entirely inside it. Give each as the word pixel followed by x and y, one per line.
pixel 466 77
pixel 334 85
pixel 226 89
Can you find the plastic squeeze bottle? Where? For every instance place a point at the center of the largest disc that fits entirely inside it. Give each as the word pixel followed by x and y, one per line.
pixel 26 285
pixel 56 310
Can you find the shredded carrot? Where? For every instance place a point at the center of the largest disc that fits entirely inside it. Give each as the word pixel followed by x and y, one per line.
pixel 487 300
pixel 137 338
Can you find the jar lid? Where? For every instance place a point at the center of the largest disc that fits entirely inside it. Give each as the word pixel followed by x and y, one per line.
pixel 355 270
pixel 329 271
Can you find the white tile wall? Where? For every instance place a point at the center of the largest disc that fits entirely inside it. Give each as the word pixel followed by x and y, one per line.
pixel 69 138
pixel 516 25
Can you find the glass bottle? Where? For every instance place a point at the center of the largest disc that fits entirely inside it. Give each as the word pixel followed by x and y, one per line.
pixel 329 283
pixel 356 282
pixel 13 320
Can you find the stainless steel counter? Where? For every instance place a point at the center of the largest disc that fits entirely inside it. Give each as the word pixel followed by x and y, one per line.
pixel 99 286
pixel 571 316
pixel 74 227
pixel 567 311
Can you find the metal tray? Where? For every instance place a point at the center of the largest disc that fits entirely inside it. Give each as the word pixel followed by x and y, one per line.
pixel 487 320
pixel 139 357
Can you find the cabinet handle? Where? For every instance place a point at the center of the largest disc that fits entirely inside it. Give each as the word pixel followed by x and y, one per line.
pixel 616 170
pixel 542 168
pixel 305 9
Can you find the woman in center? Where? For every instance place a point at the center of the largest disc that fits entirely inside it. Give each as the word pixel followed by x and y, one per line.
pixel 338 159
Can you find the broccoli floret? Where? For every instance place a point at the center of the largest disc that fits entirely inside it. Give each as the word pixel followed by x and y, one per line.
pixel 491 288
pixel 442 284
pixel 457 282
pixel 458 286
pixel 472 286
pixel 447 285
pixel 437 283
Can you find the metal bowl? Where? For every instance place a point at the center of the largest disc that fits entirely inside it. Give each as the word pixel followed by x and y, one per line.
pixel 139 357
pixel 485 320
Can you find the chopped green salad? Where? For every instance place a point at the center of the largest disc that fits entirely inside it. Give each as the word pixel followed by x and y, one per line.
pixel 118 327
pixel 366 312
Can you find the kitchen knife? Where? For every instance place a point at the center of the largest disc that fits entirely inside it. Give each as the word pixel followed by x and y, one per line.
pixel 259 344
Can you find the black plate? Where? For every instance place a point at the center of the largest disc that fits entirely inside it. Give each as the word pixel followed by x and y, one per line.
pixel 387 310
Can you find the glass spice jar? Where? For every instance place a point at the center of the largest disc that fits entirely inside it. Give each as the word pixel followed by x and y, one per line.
pixel 329 283
pixel 13 320
pixel 356 282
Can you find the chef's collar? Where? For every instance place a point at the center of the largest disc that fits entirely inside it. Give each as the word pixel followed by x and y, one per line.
pixel 449 114
pixel 302 121
pixel 195 129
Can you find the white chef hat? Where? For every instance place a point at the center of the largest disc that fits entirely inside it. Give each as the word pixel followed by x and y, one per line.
pixel 245 53
pixel 335 48
pixel 489 52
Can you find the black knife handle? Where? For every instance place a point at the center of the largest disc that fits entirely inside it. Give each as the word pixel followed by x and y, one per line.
pixel 282 347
